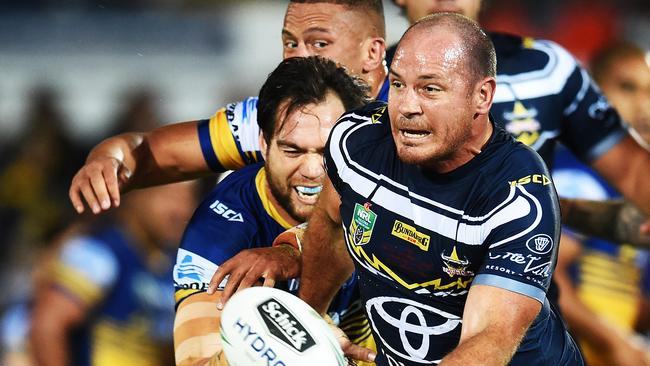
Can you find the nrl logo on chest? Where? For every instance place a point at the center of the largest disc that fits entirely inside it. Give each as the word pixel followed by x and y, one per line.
pixel 363 221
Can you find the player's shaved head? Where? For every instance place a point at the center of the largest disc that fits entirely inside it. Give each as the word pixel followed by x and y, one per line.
pixel 374 9
pixel 480 56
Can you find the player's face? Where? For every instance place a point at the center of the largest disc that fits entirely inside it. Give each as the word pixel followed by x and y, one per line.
pixel 627 86
pixel 430 98
pixel 416 9
pixel 294 157
pixel 329 30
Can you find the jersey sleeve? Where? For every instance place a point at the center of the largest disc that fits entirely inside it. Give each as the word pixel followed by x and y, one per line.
pixel 230 139
pixel 85 269
pixel 522 243
pixel 219 229
pixel 591 125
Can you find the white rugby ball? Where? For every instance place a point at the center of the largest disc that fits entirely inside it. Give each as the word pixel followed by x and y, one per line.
pixel 269 327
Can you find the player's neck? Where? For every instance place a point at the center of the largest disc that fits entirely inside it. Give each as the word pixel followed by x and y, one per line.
pixel 375 80
pixel 480 137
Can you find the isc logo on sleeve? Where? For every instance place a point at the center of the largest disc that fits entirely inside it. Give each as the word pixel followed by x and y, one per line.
pixel 223 210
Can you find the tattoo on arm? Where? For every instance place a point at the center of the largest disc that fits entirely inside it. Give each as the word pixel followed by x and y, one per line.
pixel 617 221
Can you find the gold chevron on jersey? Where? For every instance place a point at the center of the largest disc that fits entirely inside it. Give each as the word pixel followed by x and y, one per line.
pixel 375 265
pixel 377 114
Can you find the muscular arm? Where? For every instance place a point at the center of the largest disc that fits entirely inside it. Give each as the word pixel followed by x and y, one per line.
pixel 133 160
pixel 617 221
pixel 326 263
pixel 625 166
pixel 196 332
pixel 489 336
pixel 54 316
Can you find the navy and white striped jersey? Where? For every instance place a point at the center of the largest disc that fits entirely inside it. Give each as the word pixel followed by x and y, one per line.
pixel 419 239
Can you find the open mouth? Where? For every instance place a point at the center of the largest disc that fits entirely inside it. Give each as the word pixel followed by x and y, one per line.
pixel 308 193
pixel 414 134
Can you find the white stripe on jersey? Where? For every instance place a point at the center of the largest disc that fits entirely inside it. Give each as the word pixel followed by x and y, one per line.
pixel 539 83
pixel 517 205
pixel 248 130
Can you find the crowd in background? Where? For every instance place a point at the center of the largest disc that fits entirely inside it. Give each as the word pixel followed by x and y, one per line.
pixel 37 163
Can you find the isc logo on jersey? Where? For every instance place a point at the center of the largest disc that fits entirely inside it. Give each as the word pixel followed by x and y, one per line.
pixel 223 210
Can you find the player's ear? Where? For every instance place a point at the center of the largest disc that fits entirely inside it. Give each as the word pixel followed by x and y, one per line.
pixel 375 48
pixel 263 145
pixel 484 94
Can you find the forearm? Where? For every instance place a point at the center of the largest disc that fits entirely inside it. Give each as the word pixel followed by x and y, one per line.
pixel 617 221
pixel 488 348
pixel 625 166
pixel 326 263
pixel 50 342
pixel 592 218
pixel 197 340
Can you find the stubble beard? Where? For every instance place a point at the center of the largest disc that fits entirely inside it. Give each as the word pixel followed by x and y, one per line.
pixel 282 194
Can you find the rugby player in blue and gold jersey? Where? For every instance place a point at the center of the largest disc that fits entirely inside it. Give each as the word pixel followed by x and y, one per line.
pixel 106 299
pixel 350 32
pixel 298 105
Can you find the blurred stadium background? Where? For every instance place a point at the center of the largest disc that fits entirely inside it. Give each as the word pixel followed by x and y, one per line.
pixel 73 72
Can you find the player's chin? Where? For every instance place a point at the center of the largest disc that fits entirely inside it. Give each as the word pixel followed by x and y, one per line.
pixel 302 211
pixel 416 155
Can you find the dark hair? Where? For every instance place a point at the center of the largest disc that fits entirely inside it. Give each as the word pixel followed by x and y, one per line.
pixel 481 59
pixel 610 55
pixel 305 80
pixel 374 8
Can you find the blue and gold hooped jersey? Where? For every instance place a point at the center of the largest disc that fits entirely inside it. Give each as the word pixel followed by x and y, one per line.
pixel 230 139
pixel 543 96
pixel 419 240
pixel 238 215
pixel 132 307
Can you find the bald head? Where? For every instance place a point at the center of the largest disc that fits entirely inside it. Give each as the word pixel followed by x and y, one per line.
pixel 478 51
pixel 373 10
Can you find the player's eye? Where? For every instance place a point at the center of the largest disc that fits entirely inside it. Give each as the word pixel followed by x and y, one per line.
pixel 396 84
pixel 628 87
pixel 290 44
pixel 320 44
pixel 430 89
pixel 292 153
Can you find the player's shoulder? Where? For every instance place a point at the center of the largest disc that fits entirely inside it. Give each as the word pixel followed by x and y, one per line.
pixel 240 179
pixel 232 201
pixel 244 111
pixel 529 56
pixel 94 255
pixel 512 160
pixel 361 126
